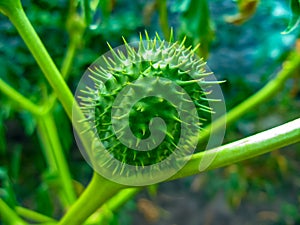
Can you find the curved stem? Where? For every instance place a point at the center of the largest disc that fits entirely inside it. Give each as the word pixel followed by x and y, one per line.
pixel 19 98
pixel 111 206
pixel 33 216
pixel 9 216
pixel 97 192
pixel 33 42
pixel 246 148
pixel 272 88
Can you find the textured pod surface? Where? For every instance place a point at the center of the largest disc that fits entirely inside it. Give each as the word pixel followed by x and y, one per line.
pixel 145 104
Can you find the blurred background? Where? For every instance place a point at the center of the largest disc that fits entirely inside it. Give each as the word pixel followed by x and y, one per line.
pixel 247 50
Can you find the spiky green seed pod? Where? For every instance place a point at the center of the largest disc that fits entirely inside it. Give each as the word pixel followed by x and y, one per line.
pixel 146 105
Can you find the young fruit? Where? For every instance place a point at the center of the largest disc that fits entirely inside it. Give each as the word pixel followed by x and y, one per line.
pixel 146 104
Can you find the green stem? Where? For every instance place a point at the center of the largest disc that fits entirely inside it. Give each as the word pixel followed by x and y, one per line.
pixel 27 32
pixel 33 42
pixel 98 191
pixel 33 216
pixel 51 132
pixel 9 216
pixel 243 149
pixel 19 98
pixel 65 71
pixel 47 148
pixel 68 60
pixel 121 198
pixel 266 93
pixel 111 206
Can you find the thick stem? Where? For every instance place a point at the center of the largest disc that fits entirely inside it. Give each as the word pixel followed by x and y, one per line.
pixel 243 149
pixel 33 42
pixel 106 212
pixel 98 192
pixel 9 216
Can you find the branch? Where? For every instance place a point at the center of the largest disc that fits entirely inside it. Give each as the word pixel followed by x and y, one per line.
pixel 9 216
pixel 243 149
pixel 96 194
pixel 272 88
pixel 19 19
pixel 33 216
pixel 19 98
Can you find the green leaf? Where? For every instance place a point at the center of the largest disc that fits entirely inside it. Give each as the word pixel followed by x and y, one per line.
pixel 91 11
pixel 247 8
pixel 295 17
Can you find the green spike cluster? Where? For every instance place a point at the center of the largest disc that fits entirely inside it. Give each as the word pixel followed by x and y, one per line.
pixel 149 59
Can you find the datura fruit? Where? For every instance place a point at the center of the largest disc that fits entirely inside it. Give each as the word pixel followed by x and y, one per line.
pixel 146 104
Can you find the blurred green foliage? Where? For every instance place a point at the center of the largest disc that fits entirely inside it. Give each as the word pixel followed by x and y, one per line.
pixel 246 56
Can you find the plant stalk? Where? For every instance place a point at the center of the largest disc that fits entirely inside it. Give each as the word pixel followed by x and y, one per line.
pixel 250 147
pixel 9 216
pixel 53 141
pixel 19 98
pixel 33 216
pixel 267 92
pixel 97 193
pixel 106 211
pixel 33 42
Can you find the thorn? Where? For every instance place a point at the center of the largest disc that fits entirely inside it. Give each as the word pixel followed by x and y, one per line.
pixel 147 36
pixel 158 37
pixel 129 49
pixel 141 45
pixel 210 99
pixel 98 73
pixel 195 48
pixel 116 57
pixel 171 35
pixel 182 42
pixel 115 170
pixel 153 44
pixel 147 39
